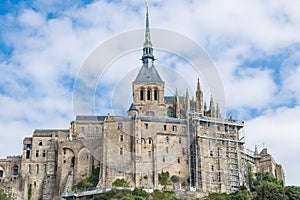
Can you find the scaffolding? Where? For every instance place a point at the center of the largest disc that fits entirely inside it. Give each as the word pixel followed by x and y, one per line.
pixel 223 145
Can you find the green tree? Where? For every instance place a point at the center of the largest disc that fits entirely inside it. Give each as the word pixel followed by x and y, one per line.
pixel 217 196
pixel 5 195
pixel 241 194
pixel 166 195
pixel 163 178
pixel 249 176
pixel 139 192
pixel 120 183
pixel 292 192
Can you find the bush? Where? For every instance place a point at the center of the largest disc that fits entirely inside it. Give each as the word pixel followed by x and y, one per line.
pixel 120 183
pixel 163 178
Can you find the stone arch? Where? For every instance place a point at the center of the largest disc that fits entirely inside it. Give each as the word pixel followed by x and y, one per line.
pixel 84 158
pixel 2 171
pixel 68 157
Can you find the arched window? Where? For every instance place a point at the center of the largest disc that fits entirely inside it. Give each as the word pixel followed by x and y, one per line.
pixel 15 170
pixel 142 95
pixel 155 95
pixel 148 94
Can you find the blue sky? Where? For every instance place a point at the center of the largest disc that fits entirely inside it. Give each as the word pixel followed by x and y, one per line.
pixel 255 46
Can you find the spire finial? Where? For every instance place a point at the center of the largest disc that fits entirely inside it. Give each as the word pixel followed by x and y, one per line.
pixel 147 50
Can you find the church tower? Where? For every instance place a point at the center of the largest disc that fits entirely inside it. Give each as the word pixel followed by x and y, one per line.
pixel 148 87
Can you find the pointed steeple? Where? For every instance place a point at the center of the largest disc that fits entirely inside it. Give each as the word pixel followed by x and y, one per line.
pixel 147 50
pixel 199 98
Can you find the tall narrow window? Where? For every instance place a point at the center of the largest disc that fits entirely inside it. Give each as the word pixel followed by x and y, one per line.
pixel 142 94
pixel 148 94
pixel 121 138
pixel 121 151
pixel 44 153
pixel 179 140
pixel 165 127
pixel 167 139
pixel 155 95
pixel 37 169
pixel 146 126
pixel 37 153
pixel 149 154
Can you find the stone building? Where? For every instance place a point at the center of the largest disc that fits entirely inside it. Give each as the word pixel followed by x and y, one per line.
pixel 174 134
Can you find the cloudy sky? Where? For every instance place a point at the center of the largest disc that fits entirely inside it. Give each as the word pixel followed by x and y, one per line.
pixel 255 46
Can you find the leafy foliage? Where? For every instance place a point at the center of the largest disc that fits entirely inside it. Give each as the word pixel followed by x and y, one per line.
pixel 5 195
pixel 241 194
pixel 174 179
pixel 89 182
pixel 166 195
pixel 29 192
pixel 292 192
pixel 163 178
pixel 120 183
pixel 217 196
pixel 139 192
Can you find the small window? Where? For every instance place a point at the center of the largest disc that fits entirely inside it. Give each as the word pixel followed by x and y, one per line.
pixel 27 154
pixel 167 139
pixel 165 127
pixel 149 154
pixel 121 138
pixel 183 151
pixel 146 126
pixel 37 153
pixel 40 143
pixel 167 149
pixel 37 169
pixel 155 95
pixel 149 141
pixel 65 152
pixel 174 128
pixel 178 160
pixel 142 94
pixel 212 168
pixel 121 151
pixel 45 168
pixel 211 153
pixel 148 94
pixel 15 171
pixel 120 125
pixel 179 141
pixel 34 183
pixel 164 159
pixel 44 153
pixel 29 168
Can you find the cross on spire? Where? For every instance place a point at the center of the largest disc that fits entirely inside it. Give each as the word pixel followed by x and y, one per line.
pixel 147 50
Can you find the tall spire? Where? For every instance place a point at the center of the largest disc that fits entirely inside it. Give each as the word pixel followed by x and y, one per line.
pixel 147 50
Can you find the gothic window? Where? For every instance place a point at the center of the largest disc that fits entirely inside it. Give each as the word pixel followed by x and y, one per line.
pixel 171 112
pixel 40 143
pixel 149 141
pixel 121 138
pixel 148 94
pixel 73 161
pixel 15 170
pixel 44 153
pixel 142 95
pixel 120 125
pixel 37 153
pixel 174 128
pixel 155 95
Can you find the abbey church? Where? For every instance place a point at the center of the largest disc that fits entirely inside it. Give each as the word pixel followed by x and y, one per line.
pixel 176 134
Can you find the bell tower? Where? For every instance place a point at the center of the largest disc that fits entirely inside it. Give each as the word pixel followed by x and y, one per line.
pixel 148 87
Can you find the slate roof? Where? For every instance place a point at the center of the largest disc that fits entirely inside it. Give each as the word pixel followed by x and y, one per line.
pixel 148 74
